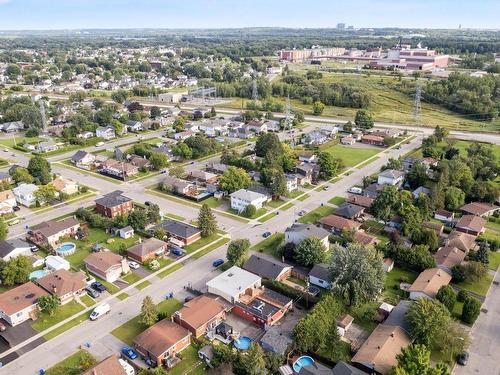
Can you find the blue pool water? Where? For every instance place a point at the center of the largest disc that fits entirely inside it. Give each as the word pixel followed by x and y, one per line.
pixel 305 360
pixel 66 249
pixel 243 343
pixel 35 275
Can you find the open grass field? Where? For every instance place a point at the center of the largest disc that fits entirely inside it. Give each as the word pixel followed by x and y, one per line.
pixel 316 214
pixel 352 155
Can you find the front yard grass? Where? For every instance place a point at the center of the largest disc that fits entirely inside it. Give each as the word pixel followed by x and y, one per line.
pixel 170 270
pixel 275 203
pixel 75 364
pixel 66 326
pixel 201 242
pixel 213 202
pixel 494 257
pixel 87 300
pixel 351 155
pixel 143 285
pixel 392 293
pixel 129 330
pixel 210 248
pixel 258 213
pixel 337 201
pixel 45 321
pixel 316 214
pixel 112 288
pixel 480 287
pixel 131 277
pixel 270 245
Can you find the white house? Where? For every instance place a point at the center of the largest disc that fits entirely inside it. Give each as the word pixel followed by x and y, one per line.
pixel 233 283
pixel 291 183
pixel 242 198
pixel 83 159
pixel 106 132
pixel 135 126
pixel 298 232
pixel 171 97
pixel 319 275
pixel 13 248
pixel 24 194
pixel 391 177
pixel 126 232
pixel 348 140
pixel 7 202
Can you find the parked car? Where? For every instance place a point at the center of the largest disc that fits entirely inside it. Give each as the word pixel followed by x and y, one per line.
pixel 463 358
pixel 302 212
pixel 99 144
pixel 187 299
pixel 33 249
pixel 98 286
pixel 129 352
pixel 16 208
pixel 218 262
pixel 177 251
pixel 148 203
pixel 355 190
pixel 133 265
pixel 91 292
pixel 266 234
pixel 326 187
pixel 100 311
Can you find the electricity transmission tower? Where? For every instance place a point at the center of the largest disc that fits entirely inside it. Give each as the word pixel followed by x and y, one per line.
pixel 416 104
pixel 41 103
pixel 255 93
pixel 288 114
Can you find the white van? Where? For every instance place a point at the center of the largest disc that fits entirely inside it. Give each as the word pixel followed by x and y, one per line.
pixel 100 311
pixel 127 367
pixel 355 190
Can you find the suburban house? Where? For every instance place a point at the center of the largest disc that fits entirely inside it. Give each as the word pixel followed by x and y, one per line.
pixel 83 159
pixel 180 233
pixel 378 353
pixel 134 126
pixel 242 198
pixel 443 215
pixel 319 275
pixel 179 187
pixel 161 343
pixel 7 202
pixel 420 190
pixel 304 173
pixel 125 232
pixel 349 211
pixel 298 232
pixel 46 146
pixel 348 140
pixel 64 284
pixel 268 267
pixel 372 190
pixel 147 250
pixel 106 132
pixel 479 209
pixel 233 283
pixel 307 157
pixel 428 283
pixel 181 136
pixel 107 265
pixel 50 232
pixel 118 169
pixel 315 138
pixel 337 224
pixel 111 365
pixel 200 315
pixel 291 182
pixel 360 200
pixel 364 238
pixel 13 248
pixel 391 177
pixel 374 140
pixel 65 185
pixel 203 177
pixel 461 241
pixel 397 316
pixel 12 126
pixel 341 368
pixel 447 257
pixel 140 162
pixel 24 194
pixel 20 303
pixel 114 204
pixel 471 224
pixel 5 177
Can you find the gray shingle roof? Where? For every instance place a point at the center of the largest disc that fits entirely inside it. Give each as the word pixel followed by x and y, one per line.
pixel 265 266
pixel 178 228
pixel 113 199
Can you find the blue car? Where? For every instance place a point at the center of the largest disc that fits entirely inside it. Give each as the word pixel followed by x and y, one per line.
pixel 218 262
pixel 129 352
pixel 98 286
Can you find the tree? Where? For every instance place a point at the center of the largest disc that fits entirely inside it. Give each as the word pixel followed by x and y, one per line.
pixel 426 318
pixel 310 251
pixel 318 108
pixel 268 142
pixel 182 150
pixel 177 171
pixel 21 175
pixel 454 198
pixel 4 230
pixel 250 211
pixel 482 255
pixel 158 160
pixel 254 361
pixel 148 315
pixel 411 219
pixel 415 360
pixel 15 271
pixel 386 203
pixel 45 193
pixel 470 310
pixel 452 340
pixel 12 71
pixel 328 165
pixel 427 237
pixel 447 296
pixel 417 175
pixel 213 112
pixel 475 271
pixel 237 252
pixel 138 219
pixel 155 111
pixel 276 181
pixel 363 119
pixel 234 179
pixel 152 213
pixel 207 221
pixel 49 304
pixel 416 258
pixel 39 168
pixel 356 272
pixel 348 127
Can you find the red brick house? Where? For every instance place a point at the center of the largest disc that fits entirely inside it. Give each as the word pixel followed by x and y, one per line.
pixel 374 140
pixel 114 204
pixel 200 315
pixel 147 250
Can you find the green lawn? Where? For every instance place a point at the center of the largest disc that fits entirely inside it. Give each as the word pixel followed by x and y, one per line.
pixel 143 285
pixel 362 165
pixel 275 203
pixel 201 242
pixel 45 321
pixel 87 300
pixel 170 270
pixel 175 217
pixel 213 202
pixel 210 248
pixel 362 314
pixel 66 326
pixel 480 287
pixel 494 257
pixel 316 214
pixel 493 226
pixel 11 141
pixel 189 361
pixel 294 194
pixel 392 294
pixel 112 288
pixel 337 201
pixel 303 197
pixel 129 330
pixel 351 155
pixel 131 277
pixel 344 353
pixel 122 296
pixel 270 245
pixel 75 364
pixel 258 213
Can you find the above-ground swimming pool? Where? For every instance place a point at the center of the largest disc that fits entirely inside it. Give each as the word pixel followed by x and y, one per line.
pixel 35 275
pixel 242 343
pixel 66 249
pixel 305 360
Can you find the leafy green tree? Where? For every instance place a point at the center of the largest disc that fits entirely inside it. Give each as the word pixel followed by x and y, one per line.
pixel 356 272
pixel 482 255
pixel 237 252
pixel 149 314
pixel 177 171
pixel 158 160
pixel 274 361
pixel 417 175
pixel 155 111
pixel 454 198
pixel 411 219
pixel 387 202
pixel 363 119
pixel 276 181
pixel 318 108
pixel 40 169
pixel 310 251
pixel 250 211
pixel 207 221
pixel 447 296
pixel 415 360
pixel 475 271
pixel 416 258
pixel 49 304
pixel 426 318
pixel 268 142
pixel 254 360
pixel 182 150
pixel 452 340
pixel 138 219
pixel 470 310
pixel 15 271
pixel 329 165
pixel 153 213
pixel 160 234
pixel 12 71
pixel 45 193
pixel 234 179
pixel 20 175
pixel 4 230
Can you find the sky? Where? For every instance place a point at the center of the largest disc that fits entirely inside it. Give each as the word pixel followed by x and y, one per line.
pixel 89 14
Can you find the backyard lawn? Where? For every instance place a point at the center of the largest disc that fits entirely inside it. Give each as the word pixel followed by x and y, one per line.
pixel 189 361
pixel 494 257
pixel 480 287
pixel 316 214
pixel 75 364
pixel 45 321
pixel 129 330
pixel 270 245
pixel 351 155
pixel 363 315
pixel 392 294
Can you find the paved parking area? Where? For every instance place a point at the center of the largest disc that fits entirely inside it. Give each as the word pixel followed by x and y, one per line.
pixel 244 327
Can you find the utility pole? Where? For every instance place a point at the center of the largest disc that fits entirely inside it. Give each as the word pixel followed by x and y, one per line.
pixel 416 104
pixel 255 92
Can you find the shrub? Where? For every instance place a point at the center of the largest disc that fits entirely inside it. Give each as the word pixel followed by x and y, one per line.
pixel 462 295
pixel 471 310
pixel 250 210
pixel 458 273
pixel 447 296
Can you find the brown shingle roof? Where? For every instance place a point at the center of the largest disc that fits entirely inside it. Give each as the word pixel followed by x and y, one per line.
pixel 103 260
pixel 364 238
pixel 462 241
pixel 108 366
pixel 63 282
pixel 161 336
pixel 60 183
pixel 429 281
pixel 147 247
pixel 49 228
pixel 380 350
pixel 339 223
pixel 449 256
pixel 20 297
pixel 200 311
pixel 471 222
pixel 478 208
pixel 360 200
